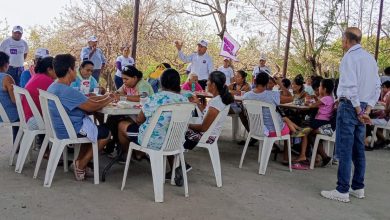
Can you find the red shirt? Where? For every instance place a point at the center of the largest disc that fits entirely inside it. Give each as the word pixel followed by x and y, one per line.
pixel 37 81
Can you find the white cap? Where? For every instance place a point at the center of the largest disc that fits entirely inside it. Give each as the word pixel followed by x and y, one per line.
pixel 203 43
pixel 263 57
pixel 92 38
pixel 226 58
pixel 17 28
pixel 41 53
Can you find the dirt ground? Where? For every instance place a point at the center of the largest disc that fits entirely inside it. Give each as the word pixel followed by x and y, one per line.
pixel 244 194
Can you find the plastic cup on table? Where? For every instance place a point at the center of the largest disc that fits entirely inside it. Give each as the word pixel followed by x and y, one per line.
pixel 122 98
pixel 96 91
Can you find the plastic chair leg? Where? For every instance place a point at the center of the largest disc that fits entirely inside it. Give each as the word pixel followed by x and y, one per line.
pixel 265 154
pixel 126 168
pixel 260 148
pixel 289 155
pixel 373 136
pixel 156 162
pixel 176 163
pixel 65 159
pixel 40 155
pixel 95 163
pixel 184 171
pixel 314 153
pixel 215 160
pixel 15 145
pixel 235 128
pixel 25 145
pixel 244 151
pixel 55 155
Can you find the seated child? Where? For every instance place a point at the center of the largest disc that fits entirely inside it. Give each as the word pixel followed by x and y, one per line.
pixel 192 83
pixel 299 90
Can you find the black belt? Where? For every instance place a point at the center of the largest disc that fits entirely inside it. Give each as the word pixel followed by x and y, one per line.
pixel 344 99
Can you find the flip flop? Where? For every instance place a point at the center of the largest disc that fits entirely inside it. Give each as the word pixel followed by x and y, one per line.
pixel 299 166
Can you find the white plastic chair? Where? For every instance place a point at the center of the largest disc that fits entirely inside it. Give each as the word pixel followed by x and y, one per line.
pixel 254 110
pixel 213 148
pixel 28 135
pixel 6 123
pixel 330 142
pixel 59 145
pixel 173 145
pixel 384 127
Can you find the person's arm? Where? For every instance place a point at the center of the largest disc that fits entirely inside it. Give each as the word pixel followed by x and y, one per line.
pixel 84 54
pixel 374 96
pixel 26 51
pixel 8 84
pixel 103 58
pixel 246 87
pixel 285 96
pixel 92 105
pixel 93 50
pixel 118 65
pixel 316 104
pixel 348 79
pixel 185 58
pixel 194 99
pixel 211 115
pixel 210 65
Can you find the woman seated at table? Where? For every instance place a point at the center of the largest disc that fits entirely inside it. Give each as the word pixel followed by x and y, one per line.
pixel 7 98
pixel 77 106
pixel 134 131
pixel 84 81
pixel 192 84
pixel 299 90
pixel 133 85
pixel 44 76
pixel 239 85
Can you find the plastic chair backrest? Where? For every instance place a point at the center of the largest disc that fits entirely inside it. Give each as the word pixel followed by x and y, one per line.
pixel 180 116
pixel 208 133
pixel 3 115
pixel 254 110
pixel 44 98
pixel 19 93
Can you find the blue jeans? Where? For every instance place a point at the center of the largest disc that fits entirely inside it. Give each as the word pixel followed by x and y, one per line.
pixel 155 84
pixel 350 147
pixel 118 82
pixel 15 72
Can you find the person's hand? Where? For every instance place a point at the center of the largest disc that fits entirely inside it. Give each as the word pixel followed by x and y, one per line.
pixel 94 48
pixel 178 45
pixel 102 90
pixel 365 119
pixel 194 99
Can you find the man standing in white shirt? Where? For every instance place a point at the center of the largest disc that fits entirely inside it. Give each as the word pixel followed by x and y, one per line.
pixel 17 50
pixel 227 69
pixel 358 92
pixel 94 54
pixel 201 62
pixel 261 67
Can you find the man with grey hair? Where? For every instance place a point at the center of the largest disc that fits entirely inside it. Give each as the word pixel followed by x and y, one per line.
pixel 94 54
pixel 358 92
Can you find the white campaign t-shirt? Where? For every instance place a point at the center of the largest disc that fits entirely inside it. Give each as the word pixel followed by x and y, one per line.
pixel 15 50
pixel 216 103
pixel 228 73
pixel 257 69
pixel 124 62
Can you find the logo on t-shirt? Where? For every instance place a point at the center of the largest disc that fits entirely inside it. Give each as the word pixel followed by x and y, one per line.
pixel 13 51
pixel 204 61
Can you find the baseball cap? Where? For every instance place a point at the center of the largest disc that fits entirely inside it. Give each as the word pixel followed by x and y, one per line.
pixel 92 38
pixel 203 43
pixel 41 53
pixel 226 58
pixel 17 28
pixel 263 57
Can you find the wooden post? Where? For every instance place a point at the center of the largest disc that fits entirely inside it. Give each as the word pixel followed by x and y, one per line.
pixel 135 29
pixel 287 49
pixel 379 31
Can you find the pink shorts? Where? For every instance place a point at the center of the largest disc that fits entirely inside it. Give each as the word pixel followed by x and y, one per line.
pixel 285 131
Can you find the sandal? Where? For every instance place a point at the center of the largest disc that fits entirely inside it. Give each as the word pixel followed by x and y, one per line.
pixel 79 174
pixel 299 166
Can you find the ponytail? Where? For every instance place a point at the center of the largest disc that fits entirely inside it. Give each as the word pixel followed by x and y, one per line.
pixel 219 79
